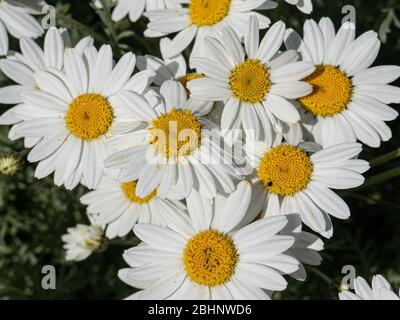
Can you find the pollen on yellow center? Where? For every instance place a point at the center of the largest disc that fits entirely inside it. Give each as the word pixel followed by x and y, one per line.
pixel 210 258
pixel 208 12
pixel 89 116
pixel 250 81
pixel 129 190
pixel 189 77
pixel 176 133
pixel 332 91
pixel 285 170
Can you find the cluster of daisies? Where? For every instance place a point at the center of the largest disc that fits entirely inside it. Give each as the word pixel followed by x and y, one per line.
pixel 216 162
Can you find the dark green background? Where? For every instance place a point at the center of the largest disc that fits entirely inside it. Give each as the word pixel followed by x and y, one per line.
pixel 34 214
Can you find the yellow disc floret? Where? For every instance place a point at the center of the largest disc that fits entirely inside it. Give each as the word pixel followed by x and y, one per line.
pixel 210 258
pixel 208 12
pixel 89 116
pixel 285 170
pixel 129 190
pixel 176 133
pixel 332 91
pixel 250 81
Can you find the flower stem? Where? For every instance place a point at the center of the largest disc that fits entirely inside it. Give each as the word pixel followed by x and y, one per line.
pixel 105 16
pixel 374 180
pixel 385 158
pixel 382 177
pixel 71 22
pixel 321 274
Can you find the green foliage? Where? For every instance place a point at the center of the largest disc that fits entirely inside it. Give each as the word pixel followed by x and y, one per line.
pixel 34 214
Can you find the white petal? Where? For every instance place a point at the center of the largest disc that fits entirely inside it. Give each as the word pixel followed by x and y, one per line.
pixel 282 109
pixel 337 178
pixel 160 237
pixel 251 38
pixel 327 200
pixel 271 42
pixel 292 72
pixel 291 90
pixel 377 75
pixel 53 49
pixel 200 210
pixel 260 276
pixel 174 94
pixel 120 74
pixel 234 208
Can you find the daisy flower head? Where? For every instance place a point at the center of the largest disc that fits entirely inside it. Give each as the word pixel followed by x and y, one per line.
pixel 83 240
pixel 205 254
pixel 299 179
pixel 379 290
pixel 21 67
pixel 350 98
pixel 16 19
pixel 256 83
pixel 174 68
pixel 177 150
pixel 198 18
pixel 116 205
pixel 77 111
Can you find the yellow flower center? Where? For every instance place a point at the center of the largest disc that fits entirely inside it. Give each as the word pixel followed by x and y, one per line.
pixel 250 81
pixel 285 170
pixel 210 258
pixel 189 77
pixel 176 133
pixel 89 116
pixel 208 12
pixel 129 190
pixel 10 164
pixel 92 243
pixel 331 94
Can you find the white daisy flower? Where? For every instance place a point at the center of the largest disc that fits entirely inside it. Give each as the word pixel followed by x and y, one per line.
pixel 381 290
pixel 350 98
pixel 256 83
pixel 299 179
pixel 174 68
pixel 77 111
pixel 177 150
pixel 16 18
pixel 305 6
pixel 116 204
pixel 199 18
pixel 207 256
pixel 21 68
pixel 81 241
